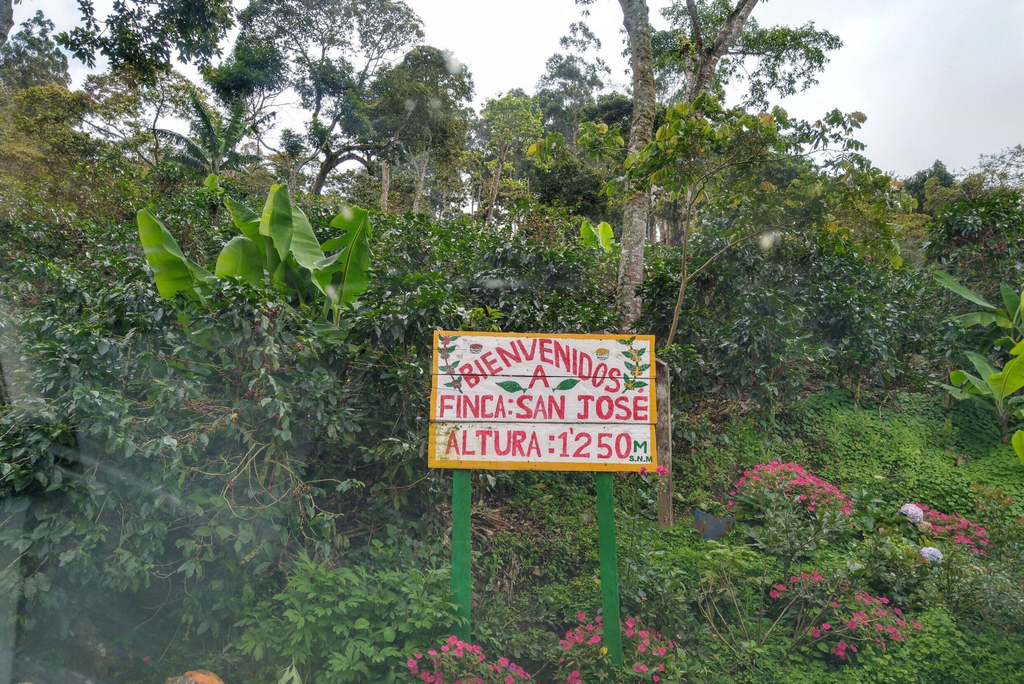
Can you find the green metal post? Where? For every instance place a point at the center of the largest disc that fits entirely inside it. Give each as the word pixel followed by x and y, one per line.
pixel 609 565
pixel 462 582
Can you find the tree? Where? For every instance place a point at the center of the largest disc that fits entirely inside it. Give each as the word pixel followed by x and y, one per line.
pixel 335 51
pixel 138 38
pixel 915 184
pixel 127 113
pixel 712 42
pixel 509 124
pixel 570 83
pixel 32 58
pixel 714 163
pixel 216 141
pixel 6 20
pixel 256 72
pixel 633 236
pixel 419 108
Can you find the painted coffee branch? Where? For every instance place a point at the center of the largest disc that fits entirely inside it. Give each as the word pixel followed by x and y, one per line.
pixel 516 401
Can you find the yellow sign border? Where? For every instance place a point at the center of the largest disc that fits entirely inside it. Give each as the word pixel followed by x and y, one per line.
pixel 434 462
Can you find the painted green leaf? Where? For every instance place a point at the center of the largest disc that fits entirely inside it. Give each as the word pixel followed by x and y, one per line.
pixel 240 257
pixel 511 386
pixel 566 384
pixel 172 271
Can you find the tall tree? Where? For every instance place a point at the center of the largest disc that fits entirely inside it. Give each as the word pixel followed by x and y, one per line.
pixel 142 36
pixel 711 43
pixel 419 111
pixel 6 19
pixel 570 82
pixel 32 58
pixel 335 51
pixel 509 124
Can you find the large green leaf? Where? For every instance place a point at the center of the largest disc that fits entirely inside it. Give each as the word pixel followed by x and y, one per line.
pixel 1011 300
pixel 981 364
pixel 1008 380
pixel 240 257
pixel 304 246
pixel 345 275
pixel 597 237
pixel 951 283
pixel 247 221
pixel 172 271
pixel 1018 444
pixel 982 318
pixel 276 225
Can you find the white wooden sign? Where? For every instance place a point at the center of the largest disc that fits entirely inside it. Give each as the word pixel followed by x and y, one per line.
pixel 513 401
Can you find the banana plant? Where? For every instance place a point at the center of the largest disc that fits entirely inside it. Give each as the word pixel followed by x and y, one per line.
pixel 601 236
pixel 277 247
pixel 1006 323
pixel 996 387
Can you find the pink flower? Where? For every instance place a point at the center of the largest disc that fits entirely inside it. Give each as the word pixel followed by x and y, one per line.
pixel 581 616
pixel 643 470
pixel 661 470
pixel 145 659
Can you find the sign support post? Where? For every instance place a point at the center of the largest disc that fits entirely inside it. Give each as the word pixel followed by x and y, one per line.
pixel 462 582
pixel 609 565
pixel 529 401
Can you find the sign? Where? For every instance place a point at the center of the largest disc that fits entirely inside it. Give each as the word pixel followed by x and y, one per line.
pixel 514 401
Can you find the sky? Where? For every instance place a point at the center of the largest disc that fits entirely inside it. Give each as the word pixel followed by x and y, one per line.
pixel 937 79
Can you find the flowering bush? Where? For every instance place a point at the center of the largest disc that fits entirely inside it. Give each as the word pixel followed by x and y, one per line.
pixel 584 658
pixel 754 491
pixel 955 528
pixel 828 613
pixel 792 510
pixel 457 662
pixel 913 513
pixel 930 554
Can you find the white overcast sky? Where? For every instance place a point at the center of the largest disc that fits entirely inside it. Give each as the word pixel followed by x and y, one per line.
pixel 937 79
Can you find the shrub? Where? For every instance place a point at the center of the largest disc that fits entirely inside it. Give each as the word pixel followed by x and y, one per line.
pixel 954 528
pixel 462 663
pixel 793 511
pixel 348 624
pixel 648 656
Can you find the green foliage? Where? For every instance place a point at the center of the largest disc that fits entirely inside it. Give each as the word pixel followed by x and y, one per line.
pixel 601 236
pixel 348 624
pixel 279 246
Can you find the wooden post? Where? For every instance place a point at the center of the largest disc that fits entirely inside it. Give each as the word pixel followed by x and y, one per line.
pixel 609 565
pixel 462 582
pixel 663 432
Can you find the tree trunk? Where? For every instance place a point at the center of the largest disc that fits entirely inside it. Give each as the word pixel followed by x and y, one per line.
pixel 326 166
pixel 708 56
pixel 6 20
pixel 385 185
pixel 424 161
pixel 494 189
pixel 634 220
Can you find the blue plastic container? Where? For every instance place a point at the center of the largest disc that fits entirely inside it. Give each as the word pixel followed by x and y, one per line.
pixel 712 526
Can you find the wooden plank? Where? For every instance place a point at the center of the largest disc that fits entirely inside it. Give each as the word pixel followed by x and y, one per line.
pixel 558 446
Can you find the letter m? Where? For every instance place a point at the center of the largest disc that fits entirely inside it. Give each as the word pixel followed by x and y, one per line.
pixel 638 446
